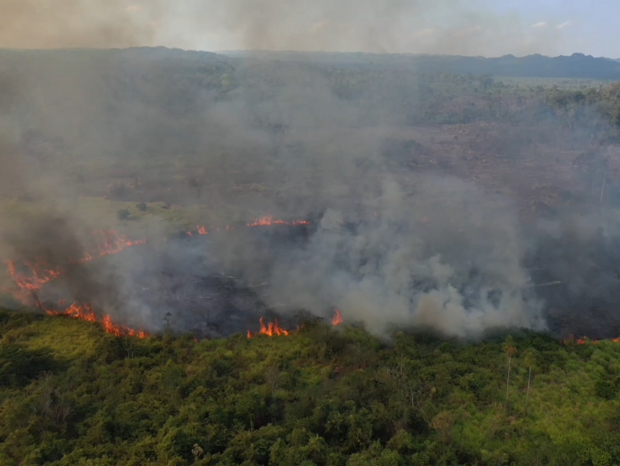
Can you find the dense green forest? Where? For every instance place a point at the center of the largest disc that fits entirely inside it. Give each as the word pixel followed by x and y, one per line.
pixel 74 395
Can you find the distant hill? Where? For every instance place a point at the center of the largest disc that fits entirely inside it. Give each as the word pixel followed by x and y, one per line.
pixel 577 65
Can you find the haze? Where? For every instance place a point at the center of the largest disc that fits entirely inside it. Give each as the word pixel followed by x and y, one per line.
pixel 473 27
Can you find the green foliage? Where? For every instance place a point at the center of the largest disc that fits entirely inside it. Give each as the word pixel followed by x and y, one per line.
pixel 72 394
pixel 18 366
pixel 605 389
pixel 123 214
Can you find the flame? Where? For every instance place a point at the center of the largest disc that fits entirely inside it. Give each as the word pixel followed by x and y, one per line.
pixel 581 341
pixel 76 311
pixel 119 330
pixel 111 242
pixel 269 220
pixel 265 220
pixel 108 242
pixel 38 277
pixel 271 329
pixel 85 312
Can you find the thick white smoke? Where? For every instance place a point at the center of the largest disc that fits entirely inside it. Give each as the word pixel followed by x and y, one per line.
pixel 444 256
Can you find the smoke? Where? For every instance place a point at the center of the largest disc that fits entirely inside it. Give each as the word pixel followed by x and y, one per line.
pixel 389 26
pixel 37 24
pixel 444 256
pixel 393 246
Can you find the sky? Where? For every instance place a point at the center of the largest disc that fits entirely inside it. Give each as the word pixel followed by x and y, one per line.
pixel 588 26
pixel 459 27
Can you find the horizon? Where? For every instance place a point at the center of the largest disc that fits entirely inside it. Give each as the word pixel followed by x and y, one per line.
pixel 342 52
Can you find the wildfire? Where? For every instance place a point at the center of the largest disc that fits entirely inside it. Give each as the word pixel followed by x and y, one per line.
pixel 119 330
pixel 30 277
pixel 271 329
pixel 38 277
pixel 85 312
pixel 108 242
pixel 76 311
pixel 265 220
pixel 269 220
pixel 581 341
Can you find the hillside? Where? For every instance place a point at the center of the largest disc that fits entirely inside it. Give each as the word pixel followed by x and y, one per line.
pixel 72 394
pixel 577 65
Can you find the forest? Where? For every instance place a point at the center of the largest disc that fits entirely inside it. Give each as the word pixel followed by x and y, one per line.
pixel 72 394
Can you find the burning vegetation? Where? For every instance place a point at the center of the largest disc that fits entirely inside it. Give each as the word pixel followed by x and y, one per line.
pixel 33 279
pixel 30 277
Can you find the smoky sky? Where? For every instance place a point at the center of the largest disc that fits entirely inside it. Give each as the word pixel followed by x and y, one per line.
pixel 389 26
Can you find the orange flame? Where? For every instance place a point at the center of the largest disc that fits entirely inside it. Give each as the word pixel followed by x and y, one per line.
pixel 271 329
pixel 269 220
pixel 111 242
pixel 108 242
pixel 337 319
pixel 581 341
pixel 85 312
pixel 265 220
pixel 37 278
pixel 119 330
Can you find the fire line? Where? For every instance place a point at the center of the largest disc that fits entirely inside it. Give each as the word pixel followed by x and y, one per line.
pixel 108 242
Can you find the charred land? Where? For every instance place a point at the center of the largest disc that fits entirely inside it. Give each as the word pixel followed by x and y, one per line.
pixel 278 258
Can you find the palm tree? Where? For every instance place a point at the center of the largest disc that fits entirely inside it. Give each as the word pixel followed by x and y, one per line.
pixel 510 350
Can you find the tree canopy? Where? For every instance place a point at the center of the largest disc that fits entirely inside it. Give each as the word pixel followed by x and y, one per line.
pixel 72 394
